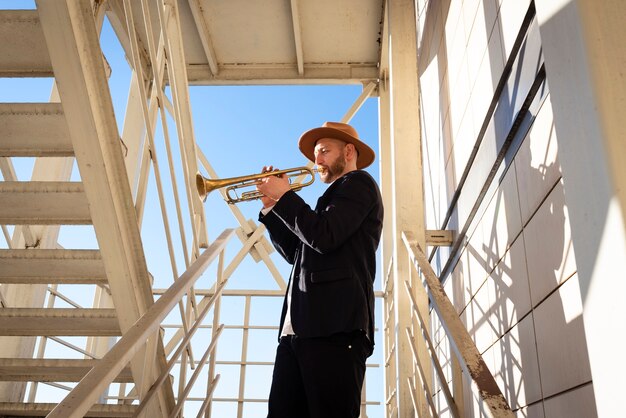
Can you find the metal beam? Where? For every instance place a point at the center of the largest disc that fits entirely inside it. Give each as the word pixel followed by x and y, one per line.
pixel 24 55
pixel 172 32
pixel 407 210
pixel 365 94
pixel 440 238
pixel 270 74
pixel 74 49
pixel 34 130
pixel 29 236
pixel 385 158
pixel 117 18
pixel 59 322
pixel 47 266
pixel 43 203
pixel 52 370
pixel 205 35
pixel 297 36
pixel 18 409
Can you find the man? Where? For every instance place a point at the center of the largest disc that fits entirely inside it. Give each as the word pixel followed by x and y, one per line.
pixel 327 324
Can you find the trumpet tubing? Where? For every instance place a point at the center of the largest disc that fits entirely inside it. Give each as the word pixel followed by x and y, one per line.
pixel 234 184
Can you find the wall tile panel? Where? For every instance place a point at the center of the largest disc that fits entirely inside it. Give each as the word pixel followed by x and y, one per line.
pixel 501 222
pixel 561 344
pixel 516 366
pixel 579 403
pixel 509 289
pixel 548 242
pixel 537 162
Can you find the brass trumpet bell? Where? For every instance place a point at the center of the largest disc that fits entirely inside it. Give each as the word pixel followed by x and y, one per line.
pixel 233 184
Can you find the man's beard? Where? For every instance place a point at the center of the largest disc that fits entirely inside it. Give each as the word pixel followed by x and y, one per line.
pixel 333 171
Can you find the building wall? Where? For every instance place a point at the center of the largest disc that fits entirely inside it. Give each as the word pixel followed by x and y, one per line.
pixel 492 174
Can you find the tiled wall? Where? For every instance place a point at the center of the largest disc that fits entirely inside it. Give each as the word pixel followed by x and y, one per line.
pixel 513 280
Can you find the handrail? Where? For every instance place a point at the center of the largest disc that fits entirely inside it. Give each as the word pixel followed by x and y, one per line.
pixel 85 394
pixel 460 341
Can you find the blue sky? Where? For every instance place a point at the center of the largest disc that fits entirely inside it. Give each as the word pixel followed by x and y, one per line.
pixel 239 129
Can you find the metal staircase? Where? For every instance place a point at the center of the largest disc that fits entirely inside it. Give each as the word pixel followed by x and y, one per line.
pixel 72 126
pixel 121 330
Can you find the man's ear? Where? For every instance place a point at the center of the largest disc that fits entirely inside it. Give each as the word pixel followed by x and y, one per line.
pixel 351 152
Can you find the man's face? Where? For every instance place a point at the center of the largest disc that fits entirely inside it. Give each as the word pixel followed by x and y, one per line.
pixel 330 159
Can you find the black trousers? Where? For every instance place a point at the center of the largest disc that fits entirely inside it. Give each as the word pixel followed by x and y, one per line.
pixel 319 377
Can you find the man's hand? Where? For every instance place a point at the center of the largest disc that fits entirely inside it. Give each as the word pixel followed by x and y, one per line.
pixel 272 187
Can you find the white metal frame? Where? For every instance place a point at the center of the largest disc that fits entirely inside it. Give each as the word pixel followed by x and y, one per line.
pixel 115 172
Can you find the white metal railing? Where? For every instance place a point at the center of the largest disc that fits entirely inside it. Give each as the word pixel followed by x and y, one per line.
pixel 460 341
pixel 389 346
pixel 242 384
pixel 86 393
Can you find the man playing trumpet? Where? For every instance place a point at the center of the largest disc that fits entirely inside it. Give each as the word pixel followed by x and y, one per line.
pixel 327 322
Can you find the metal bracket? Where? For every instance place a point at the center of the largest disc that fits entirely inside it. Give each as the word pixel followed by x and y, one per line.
pixel 439 238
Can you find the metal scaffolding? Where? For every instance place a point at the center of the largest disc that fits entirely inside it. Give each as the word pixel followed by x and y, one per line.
pixel 91 331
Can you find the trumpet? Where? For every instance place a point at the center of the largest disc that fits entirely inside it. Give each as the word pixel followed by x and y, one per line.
pixel 234 184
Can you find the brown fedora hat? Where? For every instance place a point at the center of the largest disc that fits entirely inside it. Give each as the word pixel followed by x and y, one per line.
pixel 341 131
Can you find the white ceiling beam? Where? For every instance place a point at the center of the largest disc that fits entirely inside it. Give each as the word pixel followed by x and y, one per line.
pixel 297 36
pixel 205 35
pixel 263 74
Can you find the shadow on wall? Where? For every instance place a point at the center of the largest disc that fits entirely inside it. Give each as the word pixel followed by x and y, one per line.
pixel 526 317
pixel 516 290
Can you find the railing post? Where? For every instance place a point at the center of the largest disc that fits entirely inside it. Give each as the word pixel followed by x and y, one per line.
pixel 407 208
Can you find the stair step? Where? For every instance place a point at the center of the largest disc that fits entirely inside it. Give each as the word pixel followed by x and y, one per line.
pixel 23 49
pixel 43 203
pixel 51 370
pixel 16 409
pixel 51 266
pixel 58 322
pixel 34 130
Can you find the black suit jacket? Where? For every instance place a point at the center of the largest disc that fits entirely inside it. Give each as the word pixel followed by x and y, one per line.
pixel 333 250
